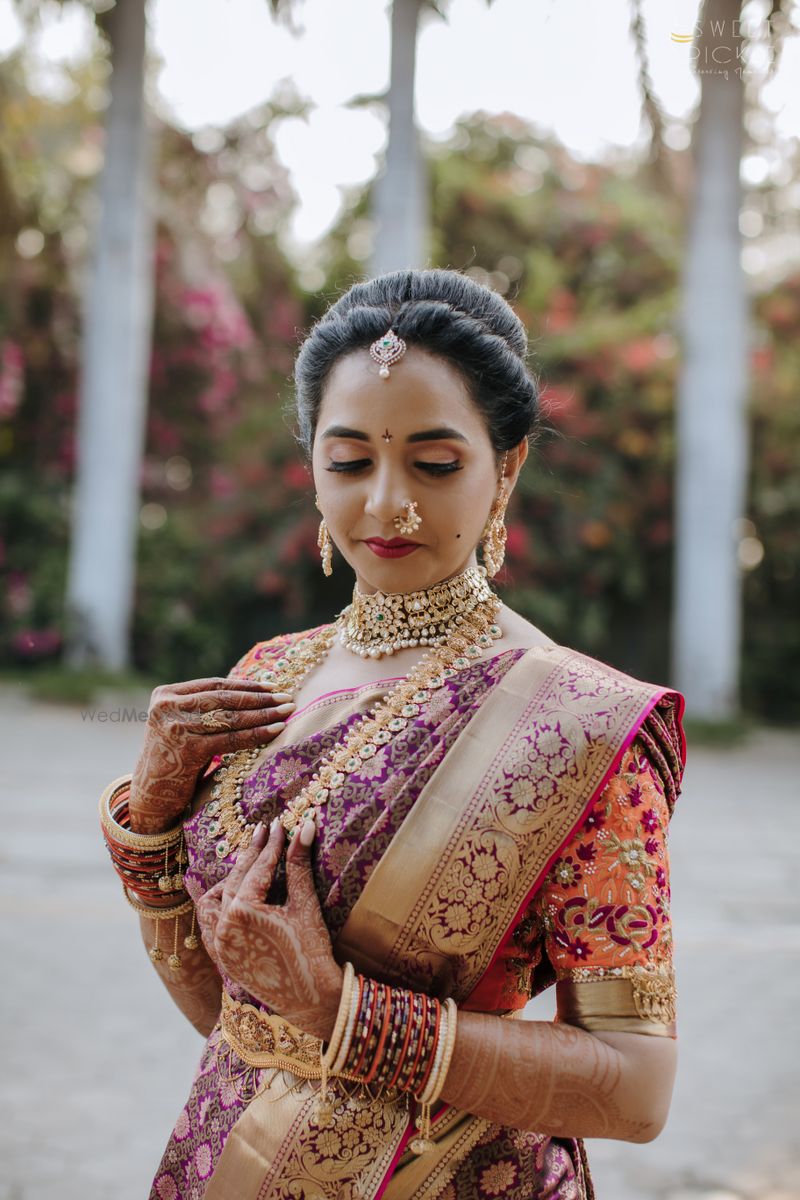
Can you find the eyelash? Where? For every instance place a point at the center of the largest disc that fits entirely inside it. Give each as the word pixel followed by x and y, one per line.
pixel 433 468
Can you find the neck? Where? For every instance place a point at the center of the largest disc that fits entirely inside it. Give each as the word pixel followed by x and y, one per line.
pixel 363 588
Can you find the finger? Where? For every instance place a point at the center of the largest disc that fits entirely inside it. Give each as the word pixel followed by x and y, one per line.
pixel 208 909
pixel 242 739
pixel 244 862
pixel 299 877
pixel 256 883
pixel 221 683
pixel 236 701
pixel 236 719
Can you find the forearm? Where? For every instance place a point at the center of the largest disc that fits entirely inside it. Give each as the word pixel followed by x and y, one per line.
pixel 559 1080
pixel 196 986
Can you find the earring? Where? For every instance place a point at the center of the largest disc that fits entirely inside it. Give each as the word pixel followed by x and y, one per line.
pixel 325 544
pixel 409 519
pixel 493 538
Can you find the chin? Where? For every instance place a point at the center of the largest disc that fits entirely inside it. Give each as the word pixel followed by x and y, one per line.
pixel 397 576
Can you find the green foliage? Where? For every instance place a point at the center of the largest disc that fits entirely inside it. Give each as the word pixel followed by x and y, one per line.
pixel 589 257
pixel 771 674
pixel 227 547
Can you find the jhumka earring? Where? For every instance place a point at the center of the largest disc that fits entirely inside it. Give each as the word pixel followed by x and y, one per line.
pixel 325 544
pixel 493 538
pixel 387 350
pixel 409 519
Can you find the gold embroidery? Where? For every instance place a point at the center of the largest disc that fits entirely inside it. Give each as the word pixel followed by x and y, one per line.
pixel 654 993
pixel 636 999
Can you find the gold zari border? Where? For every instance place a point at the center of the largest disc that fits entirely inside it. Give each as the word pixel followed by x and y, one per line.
pixel 556 721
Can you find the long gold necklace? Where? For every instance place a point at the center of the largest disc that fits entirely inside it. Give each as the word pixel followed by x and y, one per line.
pixel 473 608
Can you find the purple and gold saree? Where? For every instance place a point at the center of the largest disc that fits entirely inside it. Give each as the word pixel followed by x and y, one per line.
pixel 465 859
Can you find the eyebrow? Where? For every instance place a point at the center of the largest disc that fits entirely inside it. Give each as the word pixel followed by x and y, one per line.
pixel 424 435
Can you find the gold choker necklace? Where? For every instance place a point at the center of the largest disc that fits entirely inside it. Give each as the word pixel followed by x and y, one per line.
pixel 382 622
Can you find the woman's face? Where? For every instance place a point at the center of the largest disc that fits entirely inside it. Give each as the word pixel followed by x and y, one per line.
pixel 414 436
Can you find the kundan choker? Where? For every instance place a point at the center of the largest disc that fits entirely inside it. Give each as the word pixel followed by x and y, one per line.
pixel 380 623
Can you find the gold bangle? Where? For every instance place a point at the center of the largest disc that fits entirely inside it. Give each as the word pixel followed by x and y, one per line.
pixel 328 1057
pixel 126 837
pixel 158 914
pixel 341 1058
pixel 324 1108
pixel 449 1045
pixel 438 1051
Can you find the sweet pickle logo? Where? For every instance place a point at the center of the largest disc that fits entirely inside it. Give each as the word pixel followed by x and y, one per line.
pixel 725 47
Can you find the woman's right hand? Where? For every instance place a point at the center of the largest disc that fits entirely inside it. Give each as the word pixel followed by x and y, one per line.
pixel 178 746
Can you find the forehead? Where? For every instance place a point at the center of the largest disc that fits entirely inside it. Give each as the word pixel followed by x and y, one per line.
pixel 420 389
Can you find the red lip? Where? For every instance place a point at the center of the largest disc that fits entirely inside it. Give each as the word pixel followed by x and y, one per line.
pixel 391 543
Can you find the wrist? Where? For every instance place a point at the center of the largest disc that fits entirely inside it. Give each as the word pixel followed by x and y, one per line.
pixel 329 1009
pixel 144 820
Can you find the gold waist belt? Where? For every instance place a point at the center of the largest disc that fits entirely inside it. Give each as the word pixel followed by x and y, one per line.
pixel 266 1040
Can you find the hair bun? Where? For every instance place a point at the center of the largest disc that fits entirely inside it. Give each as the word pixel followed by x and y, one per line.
pixel 446 313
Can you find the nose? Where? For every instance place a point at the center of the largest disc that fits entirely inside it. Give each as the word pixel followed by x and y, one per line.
pixel 388 490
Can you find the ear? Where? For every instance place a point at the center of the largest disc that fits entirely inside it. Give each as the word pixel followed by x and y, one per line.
pixel 516 457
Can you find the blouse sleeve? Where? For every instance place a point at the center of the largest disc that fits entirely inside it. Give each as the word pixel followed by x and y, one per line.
pixel 604 908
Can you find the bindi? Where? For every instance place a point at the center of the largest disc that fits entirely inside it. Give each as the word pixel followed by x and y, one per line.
pixel 387 437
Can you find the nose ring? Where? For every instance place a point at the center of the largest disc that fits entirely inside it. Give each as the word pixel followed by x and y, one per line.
pixel 408 520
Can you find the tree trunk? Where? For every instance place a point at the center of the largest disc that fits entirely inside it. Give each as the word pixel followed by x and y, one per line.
pixel 712 434
pixel 401 207
pixel 117 335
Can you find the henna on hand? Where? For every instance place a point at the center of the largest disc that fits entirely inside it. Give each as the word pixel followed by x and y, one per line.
pixel 281 954
pixel 559 1080
pixel 177 746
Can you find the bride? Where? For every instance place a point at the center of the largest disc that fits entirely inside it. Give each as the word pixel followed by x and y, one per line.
pixel 372 842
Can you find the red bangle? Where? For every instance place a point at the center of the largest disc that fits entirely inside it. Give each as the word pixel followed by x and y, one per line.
pixel 377 1059
pixel 430 1048
pixel 423 1023
pixel 404 1047
pixel 367 1028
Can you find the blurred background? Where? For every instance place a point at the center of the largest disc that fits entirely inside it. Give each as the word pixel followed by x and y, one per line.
pixel 184 188
pixel 181 195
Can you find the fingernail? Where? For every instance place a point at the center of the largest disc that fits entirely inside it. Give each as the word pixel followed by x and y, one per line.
pixel 277 725
pixel 273 825
pixel 307 833
pixel 259 834
pixel 281 696
pixel 284 707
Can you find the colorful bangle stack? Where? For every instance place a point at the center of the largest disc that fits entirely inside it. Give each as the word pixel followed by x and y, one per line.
pixel 394 1039
pixel 150 866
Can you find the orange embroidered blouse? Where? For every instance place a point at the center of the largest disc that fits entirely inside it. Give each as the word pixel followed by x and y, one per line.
pixel 603 911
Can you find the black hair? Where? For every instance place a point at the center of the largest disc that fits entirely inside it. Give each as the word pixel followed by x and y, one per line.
pixel 445 313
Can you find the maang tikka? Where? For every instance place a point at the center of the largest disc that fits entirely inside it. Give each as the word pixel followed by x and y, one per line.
pixel 494 535
pixel 387 350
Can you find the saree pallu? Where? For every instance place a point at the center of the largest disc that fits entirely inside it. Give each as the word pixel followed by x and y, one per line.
pixel 425 862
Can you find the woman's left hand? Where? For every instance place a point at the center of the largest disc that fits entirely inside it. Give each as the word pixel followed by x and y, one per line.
pixel 280 954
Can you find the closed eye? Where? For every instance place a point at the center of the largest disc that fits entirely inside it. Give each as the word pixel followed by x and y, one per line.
pixel 349 468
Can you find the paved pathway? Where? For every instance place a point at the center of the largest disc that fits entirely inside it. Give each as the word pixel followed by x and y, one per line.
pixel 96 1062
